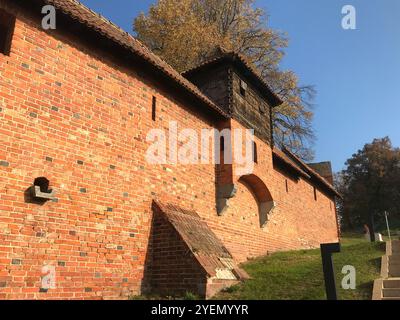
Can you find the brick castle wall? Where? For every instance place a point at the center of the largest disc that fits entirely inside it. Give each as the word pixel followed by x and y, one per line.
pixel 75 116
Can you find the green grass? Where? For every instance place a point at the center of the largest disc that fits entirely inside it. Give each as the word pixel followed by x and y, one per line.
pixel 297 275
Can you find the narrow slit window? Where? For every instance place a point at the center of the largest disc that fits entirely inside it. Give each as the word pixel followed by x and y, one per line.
pixel 7 24
pixel 154 108
pixel 287 186
pixel 243 88
pixel 315 194
pixel 255 156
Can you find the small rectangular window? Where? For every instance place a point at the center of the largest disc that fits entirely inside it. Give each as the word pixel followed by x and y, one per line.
pixel 315 194
pixel 287 186
pixel 153 109
pixel 243 88
pixel 7 24
pixel 255 156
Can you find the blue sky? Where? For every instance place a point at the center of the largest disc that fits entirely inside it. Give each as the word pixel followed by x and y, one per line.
pixel 355 72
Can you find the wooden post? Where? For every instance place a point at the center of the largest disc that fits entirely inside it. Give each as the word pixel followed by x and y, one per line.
pixel 327 265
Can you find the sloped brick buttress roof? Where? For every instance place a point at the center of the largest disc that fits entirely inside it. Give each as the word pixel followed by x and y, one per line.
pixel 208 250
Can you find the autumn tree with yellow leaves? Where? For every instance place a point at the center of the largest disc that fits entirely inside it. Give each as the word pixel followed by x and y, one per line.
pixel 188 32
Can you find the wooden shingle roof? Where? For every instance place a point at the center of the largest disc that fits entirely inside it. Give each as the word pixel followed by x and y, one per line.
pixel 239 60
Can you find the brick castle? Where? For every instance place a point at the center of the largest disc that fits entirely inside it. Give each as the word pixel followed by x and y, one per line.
pixel 77 196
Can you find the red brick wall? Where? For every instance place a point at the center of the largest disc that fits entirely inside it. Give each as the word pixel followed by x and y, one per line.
pixel 76 117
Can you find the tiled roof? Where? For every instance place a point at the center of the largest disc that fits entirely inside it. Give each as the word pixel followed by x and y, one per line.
pixel 324 169
pixel 238 58
pixel 101 25
pixel 201 240
pixel 312 172
pixel 302 168
pixel 285 159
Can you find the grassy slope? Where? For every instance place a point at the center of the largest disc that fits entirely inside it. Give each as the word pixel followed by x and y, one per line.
pixel 298 275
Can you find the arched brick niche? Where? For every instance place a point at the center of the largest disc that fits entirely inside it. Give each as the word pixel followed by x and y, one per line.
pixel 263 196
